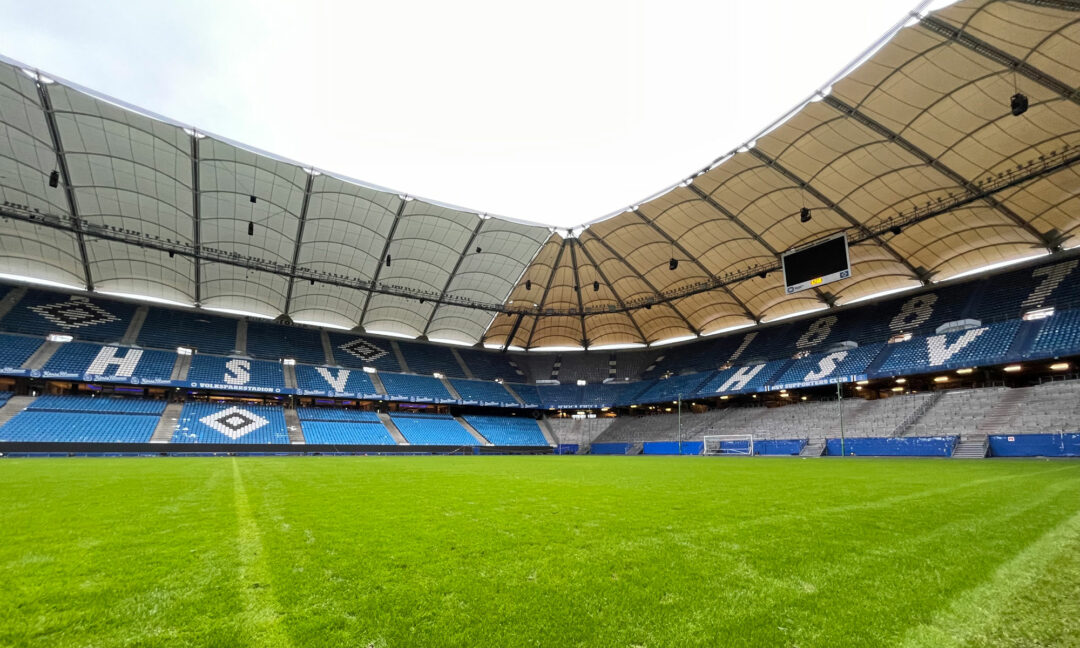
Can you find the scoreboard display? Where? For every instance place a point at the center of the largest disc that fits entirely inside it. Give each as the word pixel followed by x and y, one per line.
pixel 816 264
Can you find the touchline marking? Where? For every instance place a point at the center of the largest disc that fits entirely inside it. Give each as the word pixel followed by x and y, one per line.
pixel 261 614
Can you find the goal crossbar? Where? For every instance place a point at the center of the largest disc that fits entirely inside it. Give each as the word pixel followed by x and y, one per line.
pixel 728 444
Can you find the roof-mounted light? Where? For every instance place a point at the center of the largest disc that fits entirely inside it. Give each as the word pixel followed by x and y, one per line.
pixel 184 351
pixel 1038 314
pixel 59 337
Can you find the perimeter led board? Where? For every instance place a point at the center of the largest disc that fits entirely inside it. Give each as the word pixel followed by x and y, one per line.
pixel 816 264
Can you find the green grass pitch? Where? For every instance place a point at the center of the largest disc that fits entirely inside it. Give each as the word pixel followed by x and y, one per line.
pixel 539 551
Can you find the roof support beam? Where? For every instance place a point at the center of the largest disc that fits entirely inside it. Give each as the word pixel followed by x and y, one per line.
pixel 1001 57
pixel 618 300
pixel 65 179
pixel 659 297
pixel 689 257
pixel 933 163
pixel 299 237
pixel 382 258
pixel 513 331
pixel 577 289
pixel 543 297
pixel 453 273
pixel 196 214
pixel 863 229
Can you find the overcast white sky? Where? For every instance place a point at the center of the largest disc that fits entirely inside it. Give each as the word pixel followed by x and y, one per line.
pixel 557 112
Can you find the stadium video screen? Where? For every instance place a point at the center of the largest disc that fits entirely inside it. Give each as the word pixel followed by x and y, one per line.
pixel 816 264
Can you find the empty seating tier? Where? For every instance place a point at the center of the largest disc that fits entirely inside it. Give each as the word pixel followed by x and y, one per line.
pixel 432 429
pixel 231 423
pixel 508 430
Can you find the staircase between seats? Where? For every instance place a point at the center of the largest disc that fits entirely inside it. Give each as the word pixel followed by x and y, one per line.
pixel 914 417
pixel 473 431
pixel 14 405
pixel 450 388
pixel 997 419
pixel 167 424
pixel 380 388
pixel 292 424
pixel 813 448
pixel 388 423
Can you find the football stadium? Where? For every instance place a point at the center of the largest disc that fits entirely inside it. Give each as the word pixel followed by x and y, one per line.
pixel 823 391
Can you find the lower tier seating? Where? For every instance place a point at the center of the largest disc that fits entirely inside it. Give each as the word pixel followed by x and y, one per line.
pixel 432 429
pixel 231 423
pixel 346 433
pixel 78 427
pixel 508 430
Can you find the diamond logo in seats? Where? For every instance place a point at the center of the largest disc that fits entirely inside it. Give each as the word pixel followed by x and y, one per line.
pixel 73 314
pixel 363 349
pixel 234 422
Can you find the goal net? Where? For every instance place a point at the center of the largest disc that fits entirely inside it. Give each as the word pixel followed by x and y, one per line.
pixel 728 444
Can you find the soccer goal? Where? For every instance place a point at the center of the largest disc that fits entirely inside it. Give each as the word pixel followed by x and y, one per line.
pixel 728 444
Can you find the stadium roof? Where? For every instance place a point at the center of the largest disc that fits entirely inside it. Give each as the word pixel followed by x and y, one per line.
pixel 912 150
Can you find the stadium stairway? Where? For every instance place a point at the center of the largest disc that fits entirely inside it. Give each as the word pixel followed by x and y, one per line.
pixel 971 447
pixel 135 325
pixel 997 419
pixel 815 448
pixel 241 337
pixel 181 368
pixel 168 422
pixel 327 348
pixel 914 417
pixel 546 430
pixel 289 371
pixel 14 405
pixel 42 355
pixel 513 393
pixel 450 388
pixel 292 424
pixel 400 357
pixel 471 430
pixel 11 299
pixel 388 423
pixel 461 363
pixel 380 388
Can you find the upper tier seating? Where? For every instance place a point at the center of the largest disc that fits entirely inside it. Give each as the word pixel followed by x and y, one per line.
pixel 407 387
pixel 740 379
pixel 356 352
pixel 529 395
pixel 488 365
pixel 329 379
pixel 277 341
pixel 1059 335
pixel 430 358
pixel 343 427
pixel 231 423
pixel 169 329
pixel 482 392
pixel 111 362
pixel 40 313
pixel 973 347
pixel 592 367
pixel 84 419
pixel 587 396
pixel 672 388
pixel 826 366
pixel 236 373
pixel 508 430
pixel 432 429
pixel 16 350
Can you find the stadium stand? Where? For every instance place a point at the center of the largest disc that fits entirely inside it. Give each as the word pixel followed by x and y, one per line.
pixel 41 312
pixel 1059 335
pixel 16 350
pixel 482 392
pixel 973 347
pixel 342 427
pixel 578 431
pixel 240 374
pixel 508 430
pixel 334 380
pixel 84 419
pixel 78 359
pixel 169 329
pixel 276 341
pixel 590 367
pixel 487 365
pixel 672 388
pixel 529 394
pixel 1047 408
pixel 430 358
pixel 231 423
pixel 357 352
pixel 740 379
pixel 432 429
pixel 958 412
pixel 409 387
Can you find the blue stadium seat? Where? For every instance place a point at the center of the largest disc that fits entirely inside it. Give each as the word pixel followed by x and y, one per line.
pixel 740 379
pixel 408 387
pixel 489 365
pixel 231 423
pixel 77 359
pixel 277 341
pixel 78 427
pixel 328 379
pixel 973 347
pixel 508 430
pixel 826 367
pixel 239 374
pixel 672 388
pixel 1059 335
pixel 432 429
pixel 430 358
pixel 337 414
pixel 41 312
pixel 528 393
pixel 16 349
pixel 343 427
pixel 356 352
pixel 168 329
pixel 97 404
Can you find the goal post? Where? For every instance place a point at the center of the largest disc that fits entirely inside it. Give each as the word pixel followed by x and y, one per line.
pixel 728 444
